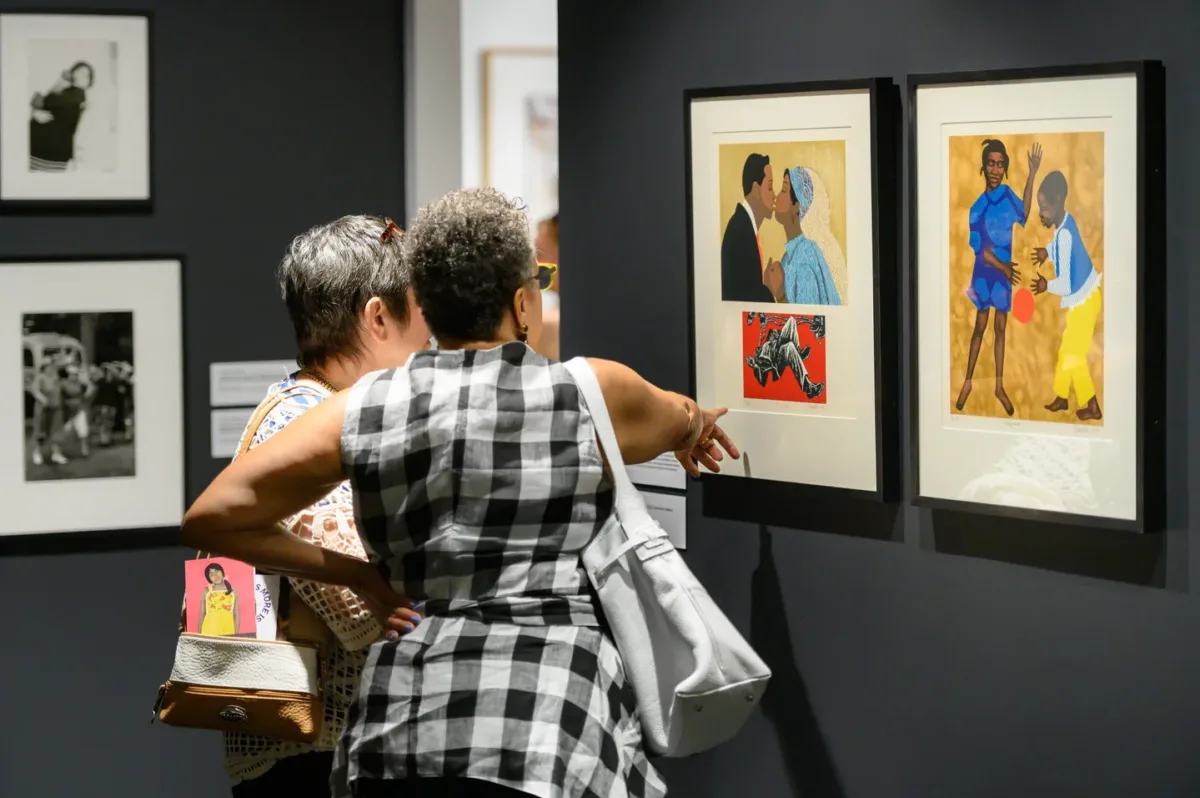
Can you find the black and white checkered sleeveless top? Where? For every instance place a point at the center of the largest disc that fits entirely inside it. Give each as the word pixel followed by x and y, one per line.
pixel 477 481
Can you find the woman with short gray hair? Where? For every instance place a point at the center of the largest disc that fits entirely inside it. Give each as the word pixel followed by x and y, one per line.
pixel 347 294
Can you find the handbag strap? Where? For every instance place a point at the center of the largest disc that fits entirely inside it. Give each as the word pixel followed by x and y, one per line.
pixel 247 438
pixel 630 506
pixel 256 420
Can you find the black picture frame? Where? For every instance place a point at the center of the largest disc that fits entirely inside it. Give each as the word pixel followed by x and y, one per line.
pixel 81 207
pixel 1151 327
pixel 751 499
pixel 115 536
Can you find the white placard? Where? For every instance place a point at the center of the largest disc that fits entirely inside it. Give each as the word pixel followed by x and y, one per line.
pixel 663 471
pixel 245 384
pixel 266 606
pixel 842 423
pixel 122 321
pixel 1085 469
pixel 95 66
pixel 226 428
pixel 670 511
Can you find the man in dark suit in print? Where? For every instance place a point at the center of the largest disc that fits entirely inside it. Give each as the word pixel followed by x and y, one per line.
pixel 741 256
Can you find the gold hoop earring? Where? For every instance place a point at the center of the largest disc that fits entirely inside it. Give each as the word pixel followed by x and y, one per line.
pixel 523 334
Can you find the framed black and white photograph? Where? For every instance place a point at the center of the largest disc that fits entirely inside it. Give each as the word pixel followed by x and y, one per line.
pixel 74 111
pixel 792 273
pixel 1038 246
pixel 95 437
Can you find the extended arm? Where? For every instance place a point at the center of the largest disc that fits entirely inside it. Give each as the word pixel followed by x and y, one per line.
pixel 649 421
pixel 239 514
pixel 1035 161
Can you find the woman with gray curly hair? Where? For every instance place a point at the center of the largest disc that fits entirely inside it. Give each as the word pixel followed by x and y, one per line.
pixel 478 480
pixel 348 296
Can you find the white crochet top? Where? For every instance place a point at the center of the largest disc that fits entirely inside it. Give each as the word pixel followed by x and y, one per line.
pixel 329 524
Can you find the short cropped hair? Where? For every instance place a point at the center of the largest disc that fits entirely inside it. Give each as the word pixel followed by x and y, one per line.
pixel 754 171
pixel 330 273
pixel 468 252
pixel 1054 187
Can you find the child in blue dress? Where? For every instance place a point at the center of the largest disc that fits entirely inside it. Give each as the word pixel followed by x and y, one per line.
pixel 992 217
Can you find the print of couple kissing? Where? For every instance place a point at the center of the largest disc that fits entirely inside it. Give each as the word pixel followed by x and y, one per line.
pixel 803 275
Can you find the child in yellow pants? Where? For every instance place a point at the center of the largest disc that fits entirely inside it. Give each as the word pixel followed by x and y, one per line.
pixel 1078 283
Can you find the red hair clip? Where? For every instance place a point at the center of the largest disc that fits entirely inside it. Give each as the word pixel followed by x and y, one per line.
pixel 388 231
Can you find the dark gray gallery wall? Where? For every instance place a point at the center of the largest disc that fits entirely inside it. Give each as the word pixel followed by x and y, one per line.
pixel 268 117
pixel 902 671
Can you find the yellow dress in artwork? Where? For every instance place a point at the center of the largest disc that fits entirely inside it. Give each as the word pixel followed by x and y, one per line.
pixel 218 613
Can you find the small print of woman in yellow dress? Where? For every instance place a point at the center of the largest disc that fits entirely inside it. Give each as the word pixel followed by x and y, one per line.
pixel 219 612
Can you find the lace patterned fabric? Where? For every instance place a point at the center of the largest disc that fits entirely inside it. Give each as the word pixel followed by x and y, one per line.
pixel 329 524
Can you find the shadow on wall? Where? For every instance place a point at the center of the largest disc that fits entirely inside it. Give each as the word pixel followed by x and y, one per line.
pixel 809 767
pixel 1081 550
pixel 761 501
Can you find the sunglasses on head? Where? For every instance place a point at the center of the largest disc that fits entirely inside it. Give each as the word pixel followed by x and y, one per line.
pixel 545 275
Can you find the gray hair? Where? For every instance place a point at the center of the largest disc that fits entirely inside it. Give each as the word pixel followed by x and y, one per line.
pixel 468 253
pixel 330 273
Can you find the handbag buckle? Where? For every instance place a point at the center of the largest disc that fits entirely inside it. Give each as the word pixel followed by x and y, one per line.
pixel 233 714
pixel 652 547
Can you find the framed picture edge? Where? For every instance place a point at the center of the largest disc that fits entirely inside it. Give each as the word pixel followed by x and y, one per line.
pixel 137 537
pixel 85 207
pixel 485 58
pixel 1029 514
pixel 1150 499
pixel 885 136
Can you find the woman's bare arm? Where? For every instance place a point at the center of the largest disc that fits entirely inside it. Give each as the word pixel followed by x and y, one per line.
pixel 239 514
pixel 298 466
pixel 649 421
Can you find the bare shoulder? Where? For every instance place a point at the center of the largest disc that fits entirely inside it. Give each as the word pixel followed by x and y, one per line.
pixel 624 390
pixel 613 375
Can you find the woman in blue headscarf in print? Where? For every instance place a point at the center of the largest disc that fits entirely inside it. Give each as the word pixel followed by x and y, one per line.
pixel 992 217
pixel 807 277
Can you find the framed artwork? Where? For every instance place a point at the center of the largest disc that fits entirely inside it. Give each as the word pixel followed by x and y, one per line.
pixel 792 278
pixel 94 437
pixel 74 111
pixel 520 126
pixel 1038 370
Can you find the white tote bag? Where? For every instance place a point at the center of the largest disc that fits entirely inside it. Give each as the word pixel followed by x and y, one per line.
pixel 696 678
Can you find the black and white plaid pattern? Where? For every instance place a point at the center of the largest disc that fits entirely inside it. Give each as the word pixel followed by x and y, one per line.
pixel 477 481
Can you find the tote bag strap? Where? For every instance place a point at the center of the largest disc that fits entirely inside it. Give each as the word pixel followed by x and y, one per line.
pixel 630 506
